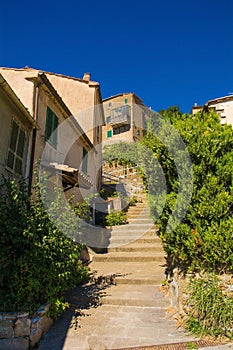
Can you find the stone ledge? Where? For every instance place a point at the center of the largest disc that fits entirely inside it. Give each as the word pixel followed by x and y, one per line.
pixel 19 330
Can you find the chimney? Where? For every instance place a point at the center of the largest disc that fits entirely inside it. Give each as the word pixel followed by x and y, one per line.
pixel 87 76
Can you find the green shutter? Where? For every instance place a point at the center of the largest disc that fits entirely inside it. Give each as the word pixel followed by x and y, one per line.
pixel 51 127
pixel 126 100
pixel 109 133
pixel 84 160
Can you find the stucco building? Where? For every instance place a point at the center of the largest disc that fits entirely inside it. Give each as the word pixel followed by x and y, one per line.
pixel 68 117
pixel 223 106
pixel 125 118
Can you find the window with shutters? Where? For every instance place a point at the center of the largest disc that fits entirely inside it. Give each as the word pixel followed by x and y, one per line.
pixel 16 149
pixel 51 127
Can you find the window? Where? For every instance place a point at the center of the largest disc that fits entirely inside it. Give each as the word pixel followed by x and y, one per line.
pixel 84 160
pixel 51 127
pixel 126 100
pixel 16 149
pixel 109 133
pixel 121 129
pixel 108 120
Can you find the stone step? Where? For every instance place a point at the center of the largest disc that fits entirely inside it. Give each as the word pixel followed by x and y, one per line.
pixel 138 247
pixel 131 228
pixel 147 239
pixel 140 233
pixel 138 210
pixel 131 295
pixel 130 256
pixel 123 240
pixel 148 280
pixel 131 269
pixel 140 220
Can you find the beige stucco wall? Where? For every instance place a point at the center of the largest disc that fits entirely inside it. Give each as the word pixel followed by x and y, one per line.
pixel 79 96
pixel 9 111
pixel 23 88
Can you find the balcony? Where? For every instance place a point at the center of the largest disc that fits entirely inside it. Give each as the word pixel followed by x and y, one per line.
pixel 120 116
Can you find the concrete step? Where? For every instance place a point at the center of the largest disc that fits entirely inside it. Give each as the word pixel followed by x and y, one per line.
pixel 132 227
pixel 143 279
pixel 147 239
pixel 130 256
pixel 138 247
pixel 131 269
pixel 131 295
pixel 139 237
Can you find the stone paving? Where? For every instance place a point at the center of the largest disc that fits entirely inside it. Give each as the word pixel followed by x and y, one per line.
pixel 133 311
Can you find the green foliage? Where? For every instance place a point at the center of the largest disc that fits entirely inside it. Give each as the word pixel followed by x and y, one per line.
pixel 133 201
pixel 83 210
pixel 115 218
pixel 38 262
pixel 104 193
pixel 203 240
pixel 122 153
pixel 209 309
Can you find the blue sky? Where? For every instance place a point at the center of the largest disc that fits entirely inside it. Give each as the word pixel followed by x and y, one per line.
pixel 170 52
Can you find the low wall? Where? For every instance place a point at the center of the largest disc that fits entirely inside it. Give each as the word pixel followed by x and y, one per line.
pixel 19 330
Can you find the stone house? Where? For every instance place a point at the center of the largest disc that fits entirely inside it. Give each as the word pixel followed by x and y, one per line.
pixel 223 106
pixel 60 144
pixel 125 118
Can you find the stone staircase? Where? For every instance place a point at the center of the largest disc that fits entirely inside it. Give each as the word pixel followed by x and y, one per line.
pixel 135 257
pixel 132 310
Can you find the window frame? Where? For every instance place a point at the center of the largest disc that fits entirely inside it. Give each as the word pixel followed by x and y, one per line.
pixel 16 155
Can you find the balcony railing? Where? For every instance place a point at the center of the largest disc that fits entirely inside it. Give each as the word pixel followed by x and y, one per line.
pixel 120 115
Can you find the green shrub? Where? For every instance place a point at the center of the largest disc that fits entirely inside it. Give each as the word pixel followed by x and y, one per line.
pixel 209 309
pixel 38 262
pixel 203 240
pixel 115 218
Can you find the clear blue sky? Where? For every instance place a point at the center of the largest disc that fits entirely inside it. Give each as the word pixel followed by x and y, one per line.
pixel 169 52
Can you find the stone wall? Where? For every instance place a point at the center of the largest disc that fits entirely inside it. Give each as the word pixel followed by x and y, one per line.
pixel 21 331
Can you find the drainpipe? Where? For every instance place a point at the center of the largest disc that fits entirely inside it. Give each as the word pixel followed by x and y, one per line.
pixel 35 116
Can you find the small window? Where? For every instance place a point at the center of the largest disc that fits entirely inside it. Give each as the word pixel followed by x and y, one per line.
pixel 126 100
pixel 16 149
pixel 109 133
pixel 84 160
pixel 108 120
pixel 51 127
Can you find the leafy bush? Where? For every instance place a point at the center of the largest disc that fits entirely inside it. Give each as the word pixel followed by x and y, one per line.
pixel 122 153
pixel 38 262
pixel 115 218
pixel 209 309
pixel 203 240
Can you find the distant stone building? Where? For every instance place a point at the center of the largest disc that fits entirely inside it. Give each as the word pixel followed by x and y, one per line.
pixel 125 118
pixel 223 106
